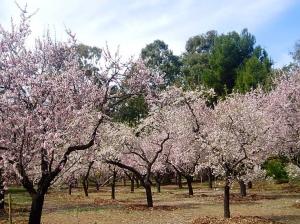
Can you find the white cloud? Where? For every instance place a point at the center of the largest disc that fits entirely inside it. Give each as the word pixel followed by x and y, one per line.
pixel 133 23
pixel 283 59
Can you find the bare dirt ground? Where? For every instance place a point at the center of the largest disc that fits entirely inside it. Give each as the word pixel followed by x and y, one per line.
pixel 265 203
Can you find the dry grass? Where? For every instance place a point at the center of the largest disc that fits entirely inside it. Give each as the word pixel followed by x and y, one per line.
pixel 234 220
pixel 266 203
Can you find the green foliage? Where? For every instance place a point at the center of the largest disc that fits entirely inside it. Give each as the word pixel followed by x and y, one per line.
pixel 132 110
pixel 158 56
pixel 196 67
pixel 201 43
pixel 89 57
pixel 255 70
pixel 225 62
pixel 275 167
pixel 296 53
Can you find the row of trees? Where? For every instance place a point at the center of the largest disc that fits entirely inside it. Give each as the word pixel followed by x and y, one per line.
pixel 60 117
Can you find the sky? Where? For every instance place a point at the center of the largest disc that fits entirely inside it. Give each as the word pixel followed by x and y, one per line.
pixel 131 24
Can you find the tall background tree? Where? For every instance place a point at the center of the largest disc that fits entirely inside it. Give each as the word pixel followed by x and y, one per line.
pixel 196 58
pixel 157 55
pixel 89 58
pixel 296 52
pixel 225 62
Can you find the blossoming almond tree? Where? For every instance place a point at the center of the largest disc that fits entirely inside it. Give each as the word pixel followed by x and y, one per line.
pixel 50 109
pixel 239 131
pixel 284 110
pixel 185 115
pixel 136 151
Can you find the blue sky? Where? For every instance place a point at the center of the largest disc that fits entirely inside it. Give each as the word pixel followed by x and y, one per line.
pixel 134 23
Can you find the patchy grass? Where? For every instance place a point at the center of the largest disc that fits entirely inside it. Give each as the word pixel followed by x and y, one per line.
pixel 265 203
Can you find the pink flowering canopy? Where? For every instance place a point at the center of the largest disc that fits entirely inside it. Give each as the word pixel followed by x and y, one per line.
pixel 49 108
pixel 284 112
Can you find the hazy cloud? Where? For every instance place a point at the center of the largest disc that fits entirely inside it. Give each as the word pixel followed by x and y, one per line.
pixel 133 23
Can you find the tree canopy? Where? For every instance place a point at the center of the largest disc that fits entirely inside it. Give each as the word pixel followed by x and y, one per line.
pixel 157 55
pixel 225 62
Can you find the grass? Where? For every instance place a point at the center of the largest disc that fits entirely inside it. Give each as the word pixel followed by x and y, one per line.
pixel 275 202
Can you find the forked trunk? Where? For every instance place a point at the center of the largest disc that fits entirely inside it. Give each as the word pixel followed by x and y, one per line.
pixel 36 208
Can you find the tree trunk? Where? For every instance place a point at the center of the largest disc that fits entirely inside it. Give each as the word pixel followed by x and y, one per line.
pixel 158 179
pixel 242 188
pixel 250 185
pixel 137 183
pixel 226 201
pixel 36 208
pixel 85 181
pixel 113 186
pixel 2 193
pixel 210 178
pixel 132 185
pixel 70 189
pixel 179 182
pixel 189 180
pixel 113 192
pixel 124 181
pixel 149 195
pixel 158 186
pixel 97 186
pixel 85 188
pixel 1 201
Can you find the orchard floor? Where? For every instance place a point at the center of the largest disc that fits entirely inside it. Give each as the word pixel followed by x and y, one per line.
pixel 269 202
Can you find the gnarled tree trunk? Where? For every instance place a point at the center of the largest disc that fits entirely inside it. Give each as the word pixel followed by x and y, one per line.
pixel 36 208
